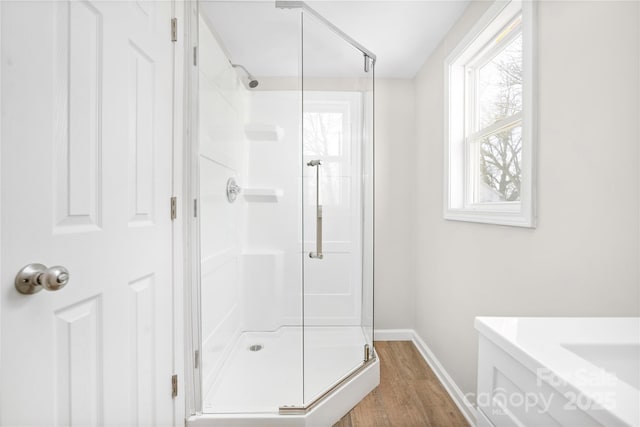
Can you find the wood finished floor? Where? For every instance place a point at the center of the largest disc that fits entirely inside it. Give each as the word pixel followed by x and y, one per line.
pixel 409 394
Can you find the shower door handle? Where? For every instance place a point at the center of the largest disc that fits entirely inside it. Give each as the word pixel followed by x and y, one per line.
pixel 318 253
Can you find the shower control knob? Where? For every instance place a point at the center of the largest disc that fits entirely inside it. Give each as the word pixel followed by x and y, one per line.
pixel 35 277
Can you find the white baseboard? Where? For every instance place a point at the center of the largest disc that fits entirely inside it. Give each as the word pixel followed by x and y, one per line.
pixel 393 334
pixel 466 407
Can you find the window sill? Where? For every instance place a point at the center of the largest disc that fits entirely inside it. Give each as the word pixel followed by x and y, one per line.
pixel 512 219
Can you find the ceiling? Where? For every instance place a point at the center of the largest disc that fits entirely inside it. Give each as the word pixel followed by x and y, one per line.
pixel 266 40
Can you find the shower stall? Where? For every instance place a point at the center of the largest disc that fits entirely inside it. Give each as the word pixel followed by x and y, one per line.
pixel 282 247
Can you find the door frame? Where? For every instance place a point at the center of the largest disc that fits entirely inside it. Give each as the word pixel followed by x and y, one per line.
pixel 1 145
pixel 176 233
pixel 185 107
pixel 186 226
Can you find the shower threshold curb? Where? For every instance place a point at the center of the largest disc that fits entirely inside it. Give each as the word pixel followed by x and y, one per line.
pixel 324 413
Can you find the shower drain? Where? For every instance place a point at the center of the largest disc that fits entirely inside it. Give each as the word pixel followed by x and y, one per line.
pixel 255 347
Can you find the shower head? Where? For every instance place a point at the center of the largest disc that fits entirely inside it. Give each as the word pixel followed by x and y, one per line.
pixel 252 82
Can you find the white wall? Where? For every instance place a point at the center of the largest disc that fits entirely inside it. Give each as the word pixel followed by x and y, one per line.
pixel 273 239
pixel 272 259
pixel 395 204
pixel 582 259
pixel 223 111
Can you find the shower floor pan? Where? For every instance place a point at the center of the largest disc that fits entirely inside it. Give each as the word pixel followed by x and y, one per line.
pixel 264 372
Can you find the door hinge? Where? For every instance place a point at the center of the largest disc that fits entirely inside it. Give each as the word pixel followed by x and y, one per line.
pixel 195 208
pixel 174 29
pixel 195 56
pixel 174 386
pixel 174 208
pixel 196 362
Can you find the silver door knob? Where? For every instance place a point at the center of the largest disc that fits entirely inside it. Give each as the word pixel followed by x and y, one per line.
pixel 35 277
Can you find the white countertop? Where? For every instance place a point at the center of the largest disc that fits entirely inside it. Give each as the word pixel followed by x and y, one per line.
pixel 596 357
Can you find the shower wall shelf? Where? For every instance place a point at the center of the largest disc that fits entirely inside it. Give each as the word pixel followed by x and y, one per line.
pixel 263 132
pixel 262 195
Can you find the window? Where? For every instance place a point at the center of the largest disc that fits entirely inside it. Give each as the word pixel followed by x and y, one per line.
pixel 327 137
pixel 490 117
pixel 332 132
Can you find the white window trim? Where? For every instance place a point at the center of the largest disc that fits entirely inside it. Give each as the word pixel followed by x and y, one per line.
pixel 519 214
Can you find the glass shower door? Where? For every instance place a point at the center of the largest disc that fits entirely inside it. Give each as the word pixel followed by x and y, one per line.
pixel 249 326
pixel 337 158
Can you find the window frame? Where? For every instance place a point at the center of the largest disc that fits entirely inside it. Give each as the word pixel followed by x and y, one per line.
pixel 471 53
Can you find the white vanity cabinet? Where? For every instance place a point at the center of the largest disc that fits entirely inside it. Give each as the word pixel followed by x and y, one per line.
pixel 529 374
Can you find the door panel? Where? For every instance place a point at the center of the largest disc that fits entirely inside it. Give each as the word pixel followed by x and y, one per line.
pixel 86 182
pixel 77 45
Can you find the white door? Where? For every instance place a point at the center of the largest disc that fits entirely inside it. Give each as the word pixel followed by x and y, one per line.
pixel 86 182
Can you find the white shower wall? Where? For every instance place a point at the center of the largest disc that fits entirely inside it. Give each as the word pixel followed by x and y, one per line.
pixel 273 241
pixel 271 245
pixel 223 113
